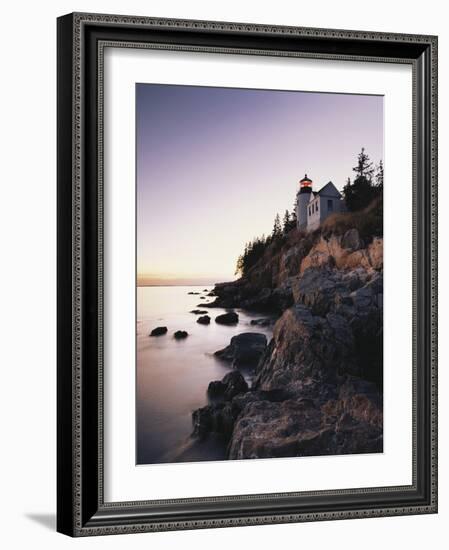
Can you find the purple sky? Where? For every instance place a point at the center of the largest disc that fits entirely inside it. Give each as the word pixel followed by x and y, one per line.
pixel 214 165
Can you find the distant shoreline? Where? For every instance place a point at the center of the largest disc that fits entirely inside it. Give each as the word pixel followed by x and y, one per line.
pixel 203 283
pixel 175 284
pixel 163 285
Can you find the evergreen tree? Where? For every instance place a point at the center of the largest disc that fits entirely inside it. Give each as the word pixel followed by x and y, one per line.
pixel 379 178
pixel 362 191
pixel 252 253
pixel 364 166
pixel 286 223
pixel 348 193
pixel 239 265
pixel 277 228
pixel 293 217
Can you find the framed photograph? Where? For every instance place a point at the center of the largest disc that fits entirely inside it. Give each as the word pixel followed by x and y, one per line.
pixel 247 277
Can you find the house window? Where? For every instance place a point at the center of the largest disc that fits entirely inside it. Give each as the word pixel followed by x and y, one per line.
pixel 317 207
pixel 330 205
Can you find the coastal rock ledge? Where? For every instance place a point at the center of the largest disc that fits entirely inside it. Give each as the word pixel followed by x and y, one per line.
pixel 244 350
pixel 317 385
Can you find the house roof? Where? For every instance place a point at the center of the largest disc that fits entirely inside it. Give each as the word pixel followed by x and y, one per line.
pixel 329 190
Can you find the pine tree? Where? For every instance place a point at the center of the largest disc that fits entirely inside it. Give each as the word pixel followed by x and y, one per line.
pixel 364 166
pixel 239 266
pixel 293 217
pixel 286 223
pixel 380 176
pixel 277 228
pixel 362 191
pixel 254 250
pixel 348 192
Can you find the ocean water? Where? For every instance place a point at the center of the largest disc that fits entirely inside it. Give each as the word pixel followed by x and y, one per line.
pixel 173 375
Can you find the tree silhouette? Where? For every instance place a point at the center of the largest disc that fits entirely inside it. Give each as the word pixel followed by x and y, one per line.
pixel 379 178
pixel 286 223
pixel 363 190
pixel 293 214
pixel 364 166
pixel 253 251
pixel 277 228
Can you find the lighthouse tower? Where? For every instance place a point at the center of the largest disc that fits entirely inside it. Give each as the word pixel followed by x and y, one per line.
pixel 302 200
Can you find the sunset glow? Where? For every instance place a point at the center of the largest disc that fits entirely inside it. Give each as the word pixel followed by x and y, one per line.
pixel 215 165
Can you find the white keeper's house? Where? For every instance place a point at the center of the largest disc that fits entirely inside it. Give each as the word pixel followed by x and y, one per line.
pixel 313 207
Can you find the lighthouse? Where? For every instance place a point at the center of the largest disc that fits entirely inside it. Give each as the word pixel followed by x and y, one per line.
pixel 302 201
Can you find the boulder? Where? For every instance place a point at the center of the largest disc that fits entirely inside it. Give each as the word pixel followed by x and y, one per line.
pixel 180 334
pixel 351 240
pixel 351 423
pixel 198 311
pixel 266 429
pixel 227 295
pixel 193 293
pixel 316 289
pixel 376 253
pixel 344 292
pixel 215 418
pixel 318 259
pixel 244 350
pixel 204 421
pixel 203 320
pixel 215 389
pixel 290 262
pixel 158 331
pixel 230 386
pixel 222 412
pixel 230 318
pixel 344 252
pixel 306 352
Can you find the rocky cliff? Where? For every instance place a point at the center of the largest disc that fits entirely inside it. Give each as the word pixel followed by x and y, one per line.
pixel 317 385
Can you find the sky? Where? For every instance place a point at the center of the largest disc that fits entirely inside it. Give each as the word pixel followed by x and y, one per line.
pixel 215 165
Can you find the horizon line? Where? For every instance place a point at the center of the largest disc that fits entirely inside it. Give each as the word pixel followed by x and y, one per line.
pixel 174 284
pixel 181 281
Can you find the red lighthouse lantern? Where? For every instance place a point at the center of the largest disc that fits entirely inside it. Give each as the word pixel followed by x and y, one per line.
pixel 306 183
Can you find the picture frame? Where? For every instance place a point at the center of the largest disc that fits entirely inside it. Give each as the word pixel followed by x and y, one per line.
pixel 81 507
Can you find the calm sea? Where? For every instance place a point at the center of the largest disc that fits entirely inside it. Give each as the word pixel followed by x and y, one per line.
pixel 173 375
